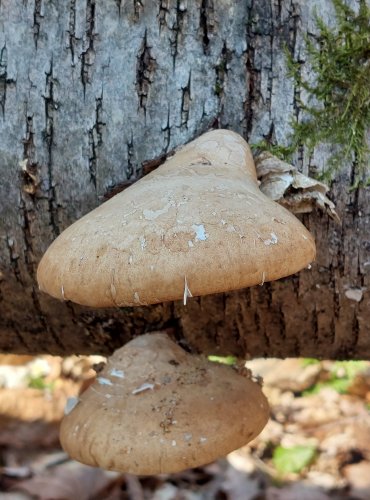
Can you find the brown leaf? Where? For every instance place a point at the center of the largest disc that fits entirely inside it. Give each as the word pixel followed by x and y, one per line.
pixel 69 481
pixel 294 492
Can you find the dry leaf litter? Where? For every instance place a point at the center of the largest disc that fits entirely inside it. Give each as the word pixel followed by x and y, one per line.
pixel 316 445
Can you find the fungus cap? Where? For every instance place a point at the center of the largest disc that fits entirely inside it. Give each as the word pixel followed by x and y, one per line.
pixel 196 225
pixel 157 409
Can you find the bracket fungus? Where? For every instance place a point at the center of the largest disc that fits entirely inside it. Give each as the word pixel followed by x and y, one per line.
pixel 155 408
pixel 196 225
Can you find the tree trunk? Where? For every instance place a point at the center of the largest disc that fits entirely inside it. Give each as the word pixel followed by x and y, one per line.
pixel 88 92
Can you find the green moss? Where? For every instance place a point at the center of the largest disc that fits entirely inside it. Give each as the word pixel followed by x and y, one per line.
pixel 309 361
pixel 225 360
pixel 337 110
pixel 283 152
pixel 341 377
pixel 218 89
pixel 40 383
pixel 340 114
pixel 293 459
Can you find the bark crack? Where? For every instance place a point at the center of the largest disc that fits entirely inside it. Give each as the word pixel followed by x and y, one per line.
pixel 51 105
pixel 37 18
pixel 167 131
pixel 138 8
pixel 251 73
pixel 29 184
pixel 28 141
pixel 206 23
pixel 72 39
pixel 221 70
pixel 118 5
pixel 291 41
pixel 14 259
pixel 21 340
pixel 131 167
pixel 177 28
pixel 95 136
pixel 4 80
pixel 28 215
pixel 162 14
pixel 145 68
pixel 88 55
pixel 185 103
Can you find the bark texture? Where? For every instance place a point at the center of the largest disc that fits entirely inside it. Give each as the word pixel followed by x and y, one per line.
pixel 89 91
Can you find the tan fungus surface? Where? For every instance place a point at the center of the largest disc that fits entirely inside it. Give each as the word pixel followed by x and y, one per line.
pixel 155 408
pixel 196 225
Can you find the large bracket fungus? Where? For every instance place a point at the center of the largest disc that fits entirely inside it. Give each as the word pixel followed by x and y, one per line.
pixel 196 225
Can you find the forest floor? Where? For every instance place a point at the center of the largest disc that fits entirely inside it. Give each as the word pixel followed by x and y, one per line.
pixel 316 445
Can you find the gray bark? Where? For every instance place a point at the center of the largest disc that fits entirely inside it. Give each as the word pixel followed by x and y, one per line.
pixel 89 90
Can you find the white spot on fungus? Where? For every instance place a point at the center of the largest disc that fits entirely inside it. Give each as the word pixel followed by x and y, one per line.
pixel 190 244
pixel 202 439
pixel 188 436
pixel 272 241
pixel 104 381
pixel 146 386
pixel 173 442
pixel 187 292
pixel 142 242
pixel 153 214
pixel 113 292
pixel 70 404
pixel 200 232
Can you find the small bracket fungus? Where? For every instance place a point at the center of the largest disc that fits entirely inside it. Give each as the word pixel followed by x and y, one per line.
pixel 171 411
pixel 200 218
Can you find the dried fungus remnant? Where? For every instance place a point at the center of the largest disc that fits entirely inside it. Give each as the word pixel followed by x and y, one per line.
pixel 197 225
pixel 160 417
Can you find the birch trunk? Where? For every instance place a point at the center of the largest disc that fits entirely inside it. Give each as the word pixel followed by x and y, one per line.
pixel 90 90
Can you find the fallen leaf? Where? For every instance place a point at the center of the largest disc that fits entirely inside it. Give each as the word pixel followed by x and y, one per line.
pixel 282 182
pixel 297 491
pixel 69 481
pixel 294 459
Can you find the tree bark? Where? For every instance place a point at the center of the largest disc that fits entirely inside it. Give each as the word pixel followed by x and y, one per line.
pixel 89 91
